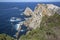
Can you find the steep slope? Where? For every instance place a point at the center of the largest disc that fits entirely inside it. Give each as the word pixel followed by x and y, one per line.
pixel 36 16
pixel 44 22
pixel 49 29
pixel 6 37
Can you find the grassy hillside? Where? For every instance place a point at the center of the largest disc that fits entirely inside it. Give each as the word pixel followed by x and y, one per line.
pixel 49 29
pixel 6 37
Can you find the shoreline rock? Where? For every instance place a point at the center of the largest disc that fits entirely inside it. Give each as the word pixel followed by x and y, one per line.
pixel 36 16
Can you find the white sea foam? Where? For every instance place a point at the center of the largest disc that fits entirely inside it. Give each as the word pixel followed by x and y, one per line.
pixel 17 26
pixel 14 19
pixel 22 30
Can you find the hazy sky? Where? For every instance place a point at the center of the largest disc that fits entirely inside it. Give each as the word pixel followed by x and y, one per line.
pixel 29 0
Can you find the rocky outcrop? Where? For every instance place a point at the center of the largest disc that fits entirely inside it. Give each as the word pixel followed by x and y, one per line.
pixel 36 16
pixel 28 11
pixel 34 20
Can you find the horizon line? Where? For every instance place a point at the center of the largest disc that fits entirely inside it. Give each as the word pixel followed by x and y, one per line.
pixel 52 1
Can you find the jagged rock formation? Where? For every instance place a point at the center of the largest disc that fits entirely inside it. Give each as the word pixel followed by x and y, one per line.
pixel 36 16
pixel 49 29
pixel 28 11
pixel 34 20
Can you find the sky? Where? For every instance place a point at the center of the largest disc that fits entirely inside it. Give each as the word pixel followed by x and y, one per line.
pixel 29 0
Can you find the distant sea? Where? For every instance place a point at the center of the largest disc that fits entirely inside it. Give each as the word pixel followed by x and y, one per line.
pixel 15 9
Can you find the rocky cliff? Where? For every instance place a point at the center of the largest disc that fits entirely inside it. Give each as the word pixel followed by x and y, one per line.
pixel 36 16
pixel 45 20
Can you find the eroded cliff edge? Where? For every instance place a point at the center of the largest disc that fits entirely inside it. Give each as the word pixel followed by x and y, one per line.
pixel 36 16
pixel 49 28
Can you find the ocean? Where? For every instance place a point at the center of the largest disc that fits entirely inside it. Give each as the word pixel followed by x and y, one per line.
pixel 15 9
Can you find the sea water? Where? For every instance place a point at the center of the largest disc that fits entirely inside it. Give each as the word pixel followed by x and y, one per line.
pixel 9 10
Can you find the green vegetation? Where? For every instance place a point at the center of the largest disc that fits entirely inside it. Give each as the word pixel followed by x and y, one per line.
pixel 49 29
pixel 5 37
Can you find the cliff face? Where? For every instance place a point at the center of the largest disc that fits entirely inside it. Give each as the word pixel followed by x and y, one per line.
pixel 36 16
pixel 49 29
pixel 28 11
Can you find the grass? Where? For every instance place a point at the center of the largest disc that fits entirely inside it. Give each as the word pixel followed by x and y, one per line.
pixel 6 37
pixel 46 30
